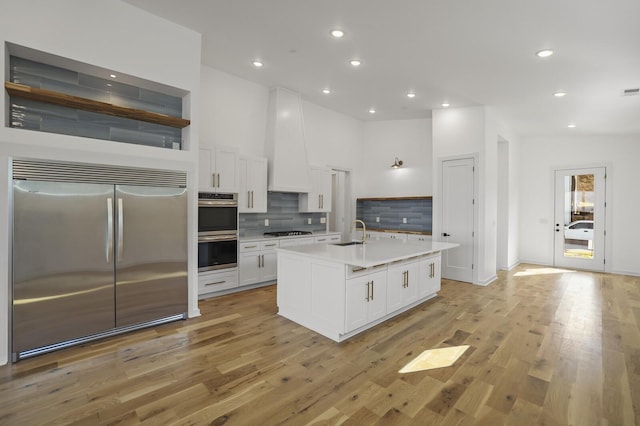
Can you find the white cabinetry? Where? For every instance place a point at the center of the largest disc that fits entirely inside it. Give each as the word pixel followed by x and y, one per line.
pixel 288 242
pixel 218 169
pixel 252 180
pixel 366 298
pixel 258 261
pixel 329 239
pixel 319 198
pixel 429 275
pixel 418 237
pixel 214 281
pixel 391 236
pixel 402 284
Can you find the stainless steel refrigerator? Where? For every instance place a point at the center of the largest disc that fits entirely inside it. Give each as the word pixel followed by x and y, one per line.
pixel 92 260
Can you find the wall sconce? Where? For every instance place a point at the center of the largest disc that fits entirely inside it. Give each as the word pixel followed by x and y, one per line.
pixel 396 164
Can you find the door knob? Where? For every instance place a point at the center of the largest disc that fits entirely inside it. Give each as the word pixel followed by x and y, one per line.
pixel 444 234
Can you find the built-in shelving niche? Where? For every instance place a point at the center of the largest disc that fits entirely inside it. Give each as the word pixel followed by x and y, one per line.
pixel 56 95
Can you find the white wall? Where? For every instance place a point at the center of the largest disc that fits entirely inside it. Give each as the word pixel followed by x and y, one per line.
pixel 106 35
pixel 475 131
pixel 410 141
pixel 539 157
pixel 234 112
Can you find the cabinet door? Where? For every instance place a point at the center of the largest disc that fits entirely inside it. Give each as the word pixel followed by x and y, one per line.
pixel 395 286
pixel 257 184
pixel 377 306
pixel 403 284
pixel 358 292
pixel 244 197
pixel 269 270
pixel 429 276
pixel 323 187
pixel 226 169
pixel 249 268
pixel 205 169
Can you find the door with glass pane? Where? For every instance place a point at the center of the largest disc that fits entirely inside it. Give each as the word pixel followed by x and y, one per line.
pixel 580 218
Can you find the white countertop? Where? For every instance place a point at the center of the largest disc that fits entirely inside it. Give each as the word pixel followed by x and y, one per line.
pixel 372 253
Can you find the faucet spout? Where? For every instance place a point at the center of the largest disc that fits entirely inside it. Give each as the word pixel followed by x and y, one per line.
pixel 364 229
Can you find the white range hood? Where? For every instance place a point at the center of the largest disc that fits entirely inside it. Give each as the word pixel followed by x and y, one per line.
pixel 286 146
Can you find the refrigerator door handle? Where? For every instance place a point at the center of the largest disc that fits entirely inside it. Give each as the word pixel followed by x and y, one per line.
pixel 120 230
pixel 109 239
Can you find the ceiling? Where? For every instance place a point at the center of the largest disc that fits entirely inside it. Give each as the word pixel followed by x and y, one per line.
pixel 464 52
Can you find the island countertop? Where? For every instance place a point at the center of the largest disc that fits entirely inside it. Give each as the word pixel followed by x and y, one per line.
pixel 372 253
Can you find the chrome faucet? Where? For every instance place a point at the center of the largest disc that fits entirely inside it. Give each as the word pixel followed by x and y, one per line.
pixel 364 229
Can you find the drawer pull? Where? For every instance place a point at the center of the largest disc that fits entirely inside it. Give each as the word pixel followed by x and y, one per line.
pixel 217 282
pixel 250 247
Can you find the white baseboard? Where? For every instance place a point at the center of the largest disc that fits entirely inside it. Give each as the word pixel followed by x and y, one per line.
pixel 488 281
pixel 630 273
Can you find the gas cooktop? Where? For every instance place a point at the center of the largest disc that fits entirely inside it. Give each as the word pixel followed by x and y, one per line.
pixel 286 233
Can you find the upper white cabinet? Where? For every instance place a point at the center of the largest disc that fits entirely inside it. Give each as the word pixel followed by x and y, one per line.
pixel 319 198
pixel 285 144
pixel 218 169
pixel 252 179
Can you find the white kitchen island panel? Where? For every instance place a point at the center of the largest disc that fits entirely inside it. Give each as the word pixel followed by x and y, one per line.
pixel 340 291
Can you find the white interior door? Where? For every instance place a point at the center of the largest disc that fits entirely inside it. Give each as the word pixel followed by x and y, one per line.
pixel 457 212
pixel 580 218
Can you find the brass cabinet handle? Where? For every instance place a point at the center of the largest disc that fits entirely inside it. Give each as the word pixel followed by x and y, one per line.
pixel 368 292
pixel 371 289
pixel 217 282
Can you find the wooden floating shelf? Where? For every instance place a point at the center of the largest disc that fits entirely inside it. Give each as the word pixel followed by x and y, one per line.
pixel 69 101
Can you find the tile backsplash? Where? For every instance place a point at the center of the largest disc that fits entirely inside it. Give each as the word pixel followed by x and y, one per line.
pixel 392 211
pixel 45 117
pixel 283 215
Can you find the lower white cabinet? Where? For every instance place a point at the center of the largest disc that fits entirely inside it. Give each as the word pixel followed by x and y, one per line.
pixel 418 237
pixel 429 276
pixel 402 284
pixel 214 281
pixel 392 236
pixel 339 300
pixel 257 261
pixel 328 239
pixel 366 299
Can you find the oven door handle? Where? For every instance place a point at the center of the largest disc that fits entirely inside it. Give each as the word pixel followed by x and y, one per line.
pixel 209 238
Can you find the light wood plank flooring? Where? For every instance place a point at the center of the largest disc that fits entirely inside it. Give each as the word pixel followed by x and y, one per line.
pixel 547 347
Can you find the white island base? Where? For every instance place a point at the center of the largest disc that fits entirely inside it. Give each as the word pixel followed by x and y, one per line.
pixel 341 291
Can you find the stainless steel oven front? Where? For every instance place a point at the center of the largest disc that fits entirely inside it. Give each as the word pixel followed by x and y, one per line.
pixel 217 231
pixel 217 252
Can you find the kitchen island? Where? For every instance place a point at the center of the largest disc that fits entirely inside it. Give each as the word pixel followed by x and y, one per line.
pixel 341 290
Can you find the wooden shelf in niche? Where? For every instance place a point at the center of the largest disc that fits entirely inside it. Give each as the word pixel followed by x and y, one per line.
pixel 69 101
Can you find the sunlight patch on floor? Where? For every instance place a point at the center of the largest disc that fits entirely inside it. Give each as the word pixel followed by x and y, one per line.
pixel 541 271
pixel 434 358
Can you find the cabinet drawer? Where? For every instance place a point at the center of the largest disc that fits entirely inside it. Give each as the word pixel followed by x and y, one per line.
pixel 209 282
pixel 328 239
pixel 357 271
pixel 249 246
pixel 271 244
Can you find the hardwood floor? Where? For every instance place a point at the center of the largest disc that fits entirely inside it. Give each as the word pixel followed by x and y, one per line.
pixel 547 347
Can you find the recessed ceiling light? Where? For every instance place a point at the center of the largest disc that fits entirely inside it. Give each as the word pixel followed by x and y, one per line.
pixel 544 53
pixel 411 95
pixel 571 126
pixel 445 104
pixel 372 111
pixel 257 64
pixel 355 62
pixel 560 94
pixel 112 75
pixel 326 91
pixel 337 33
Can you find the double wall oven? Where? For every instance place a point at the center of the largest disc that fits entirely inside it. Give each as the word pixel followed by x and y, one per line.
pixel 217 231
